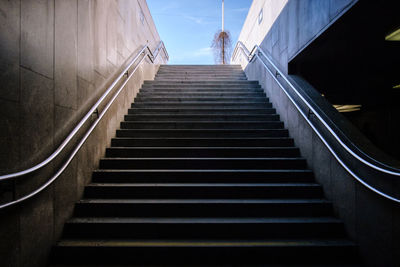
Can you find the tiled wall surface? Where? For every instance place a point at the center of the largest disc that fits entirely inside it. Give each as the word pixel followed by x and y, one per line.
pixel 56 58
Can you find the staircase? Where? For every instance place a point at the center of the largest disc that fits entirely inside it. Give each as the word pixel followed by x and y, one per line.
pixel 203 172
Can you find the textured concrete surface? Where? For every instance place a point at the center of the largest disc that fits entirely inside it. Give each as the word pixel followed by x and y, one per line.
pixel 56 58
pixel 371 221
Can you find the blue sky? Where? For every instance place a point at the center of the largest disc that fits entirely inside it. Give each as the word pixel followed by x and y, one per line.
pixel 187 27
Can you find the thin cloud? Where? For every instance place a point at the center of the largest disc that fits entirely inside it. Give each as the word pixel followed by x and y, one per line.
pixel 201 20
pixel 244 9
pixel 205 51
pixel 169 6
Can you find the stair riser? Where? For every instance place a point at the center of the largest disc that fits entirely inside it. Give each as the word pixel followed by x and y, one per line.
pixel 199 86
pixel 201 79
pixel 203 118
pixel 199 89
pixel 203 177
pixel 197 100
pixel 202 210
pixel 203 173
pixel 182 192
pixel 184 164
pixel 163 142
pixel 144 94
pixel 201 74
pixel 192 231
pixel 193 152
pixel 203 133
pixel 202 83
pixel 200 105
pixel 201 111
pixel 209 256
pixel 201 125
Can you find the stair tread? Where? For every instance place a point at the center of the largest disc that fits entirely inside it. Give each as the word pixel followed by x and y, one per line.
pixel 203 185
pixel 148 203
pixel 205 243
pixel 204 159
pixel 202 148
pixel 204 201
pixel 206 138
pixel 185 220
pixel 204 170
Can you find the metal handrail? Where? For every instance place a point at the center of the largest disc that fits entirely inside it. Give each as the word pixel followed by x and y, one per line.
pixel 146 52
pixel 252 54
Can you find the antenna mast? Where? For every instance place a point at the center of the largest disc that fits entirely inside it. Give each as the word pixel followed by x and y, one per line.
pixel 223 15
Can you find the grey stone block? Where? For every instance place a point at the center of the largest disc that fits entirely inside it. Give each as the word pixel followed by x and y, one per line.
pixel 282 29
pixel 65 119
pixel 9 136
pixel 85 96
pixel 396 232
pixel 322 158
pixel 36 228
pixel 336 6
pixel 112 17
pixel 37 36
pixel 305 141
pixel 293 27
pixel 85 41
pixel 65 70
pixel 344 196
pixel 65 196
pixel 374 228
pixel 10 239
pixel 37 120
pixel 9 55
pixel 100 36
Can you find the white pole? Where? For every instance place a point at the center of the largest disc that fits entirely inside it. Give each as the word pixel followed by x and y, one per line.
pixel 222 15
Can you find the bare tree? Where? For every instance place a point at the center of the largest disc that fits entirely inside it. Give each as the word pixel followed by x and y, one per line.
pixel 222 44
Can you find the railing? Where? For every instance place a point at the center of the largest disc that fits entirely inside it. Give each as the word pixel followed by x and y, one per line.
pixel 142 54
pixel 255 53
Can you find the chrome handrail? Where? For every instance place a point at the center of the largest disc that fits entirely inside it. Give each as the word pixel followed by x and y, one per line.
pixel 252 54
pixel 146 52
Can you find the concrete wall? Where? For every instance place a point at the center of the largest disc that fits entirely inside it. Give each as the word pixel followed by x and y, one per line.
pixel 56 58
pixel 371 221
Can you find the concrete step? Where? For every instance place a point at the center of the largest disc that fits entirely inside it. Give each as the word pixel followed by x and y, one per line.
pixel 213 74
pixel 191 104
pixel 202 83
pixel 201 72
pixel 202 111
pixel 204 133
pixel 210 77
pixel 132 152
pixel 203 67
pixel 205 252
pixel 144 94
pixel 203 163
pixel 202 125
pixel 203 142
pixel 203 208
pixel 201 228
pixel 203 173
pixel 203 176
pixel 202 191
pixel 203 79
pixel 201 117
pixel 259 99
pixel 200 88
